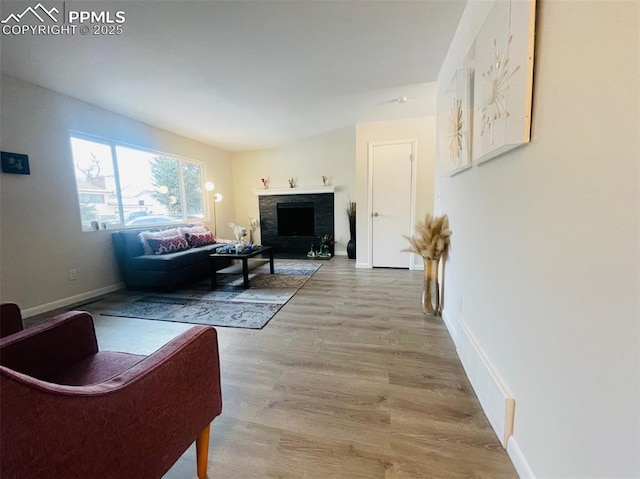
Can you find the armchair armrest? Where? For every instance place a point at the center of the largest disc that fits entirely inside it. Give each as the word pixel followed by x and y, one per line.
pixel 134 425
pixel 10 319
pixel 50 346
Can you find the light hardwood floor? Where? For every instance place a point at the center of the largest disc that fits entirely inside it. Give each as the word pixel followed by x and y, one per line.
pixel 348 380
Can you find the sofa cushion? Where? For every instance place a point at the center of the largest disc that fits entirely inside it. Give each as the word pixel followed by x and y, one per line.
pixel 170 261
pixel 191 229
pixel 170 244
pixel 129 243
pixel 200 239
pixel 95 369
pixel 145 236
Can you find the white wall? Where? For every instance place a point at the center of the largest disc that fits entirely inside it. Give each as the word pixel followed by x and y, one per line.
pixel 331 154
pixel 545 247
pixel 41 238
pixel 423 130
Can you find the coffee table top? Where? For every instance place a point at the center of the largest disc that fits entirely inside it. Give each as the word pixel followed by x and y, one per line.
pixel 243 254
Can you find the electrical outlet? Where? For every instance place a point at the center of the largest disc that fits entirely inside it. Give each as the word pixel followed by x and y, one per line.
pixel 73 274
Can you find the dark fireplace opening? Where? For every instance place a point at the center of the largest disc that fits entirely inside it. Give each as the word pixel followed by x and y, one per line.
pixel 296 219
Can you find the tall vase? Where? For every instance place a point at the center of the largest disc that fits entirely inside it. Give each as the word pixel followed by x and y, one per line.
pixel 351 245
pixel 431 290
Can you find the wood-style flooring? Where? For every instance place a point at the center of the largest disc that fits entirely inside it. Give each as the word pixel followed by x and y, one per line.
pixel 348 380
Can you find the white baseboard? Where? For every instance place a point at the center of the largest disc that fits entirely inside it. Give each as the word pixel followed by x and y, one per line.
pixel 495 398
pixel 518 459
pixel 363 265
pixel 61 303
pixel 451 326
pixel 341 253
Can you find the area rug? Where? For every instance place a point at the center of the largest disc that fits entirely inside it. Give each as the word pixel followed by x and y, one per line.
pixel 229 305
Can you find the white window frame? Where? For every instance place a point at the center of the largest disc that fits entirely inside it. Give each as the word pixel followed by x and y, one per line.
pixel 113 144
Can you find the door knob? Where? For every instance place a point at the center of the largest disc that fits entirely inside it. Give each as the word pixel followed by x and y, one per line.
pixel 376 214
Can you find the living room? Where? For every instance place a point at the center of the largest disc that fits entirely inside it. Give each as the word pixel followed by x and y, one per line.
pixel 543 268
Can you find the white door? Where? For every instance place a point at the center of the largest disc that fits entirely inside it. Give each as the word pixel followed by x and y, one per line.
pixel 391 180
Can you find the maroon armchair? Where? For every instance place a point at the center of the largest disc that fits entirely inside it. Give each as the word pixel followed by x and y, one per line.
pixel 10 319
pixel 69 410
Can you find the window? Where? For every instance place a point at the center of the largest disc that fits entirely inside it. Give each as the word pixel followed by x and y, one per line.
pixel 122 185
pixel 91 197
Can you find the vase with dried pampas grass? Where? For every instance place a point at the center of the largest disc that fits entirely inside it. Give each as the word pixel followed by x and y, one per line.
pixel 431 240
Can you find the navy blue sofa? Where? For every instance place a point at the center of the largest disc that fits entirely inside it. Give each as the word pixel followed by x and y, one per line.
pixel 165 271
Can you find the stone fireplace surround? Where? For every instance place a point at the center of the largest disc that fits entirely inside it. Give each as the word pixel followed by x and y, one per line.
pixel 323 203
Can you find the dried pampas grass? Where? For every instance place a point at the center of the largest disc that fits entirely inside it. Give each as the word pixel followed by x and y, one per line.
pixel 432 237
pixel 351 209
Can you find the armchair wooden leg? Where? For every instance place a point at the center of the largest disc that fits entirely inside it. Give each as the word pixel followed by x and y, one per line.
pixel 202 452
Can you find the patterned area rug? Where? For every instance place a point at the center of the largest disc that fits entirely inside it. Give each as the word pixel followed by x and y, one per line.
pixel 230 304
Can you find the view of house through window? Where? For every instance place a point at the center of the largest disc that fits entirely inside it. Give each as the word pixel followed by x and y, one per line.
pixel 123 186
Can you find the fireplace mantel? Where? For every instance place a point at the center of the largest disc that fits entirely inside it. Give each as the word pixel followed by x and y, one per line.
pixel 298 190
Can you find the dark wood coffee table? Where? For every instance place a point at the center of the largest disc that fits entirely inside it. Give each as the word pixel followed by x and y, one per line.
pixel 214 259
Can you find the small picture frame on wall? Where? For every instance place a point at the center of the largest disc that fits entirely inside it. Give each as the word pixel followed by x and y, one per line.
pixel 15 163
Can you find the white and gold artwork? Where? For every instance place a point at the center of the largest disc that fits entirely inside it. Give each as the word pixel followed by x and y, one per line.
pixel 495 82
pixel 503 79
pixel 454 125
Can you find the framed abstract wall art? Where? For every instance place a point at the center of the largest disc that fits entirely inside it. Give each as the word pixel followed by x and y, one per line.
pixel 484 110
pixel 16 163
pixel 454 125
pixel 502 69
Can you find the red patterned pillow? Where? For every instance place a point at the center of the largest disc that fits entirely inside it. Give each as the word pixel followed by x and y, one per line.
pixel 200 239
pixel 170 244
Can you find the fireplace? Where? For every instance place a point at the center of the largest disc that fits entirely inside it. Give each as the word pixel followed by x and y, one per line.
pixel 291 223
pixel 295 219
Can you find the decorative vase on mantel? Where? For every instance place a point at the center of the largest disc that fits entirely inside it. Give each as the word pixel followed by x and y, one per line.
pixel 351 245
pixel 431 289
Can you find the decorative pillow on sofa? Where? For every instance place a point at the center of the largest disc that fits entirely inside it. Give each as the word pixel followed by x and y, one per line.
pixel 169 244
pixel 196 228
pixel 200 239
pixel 145 236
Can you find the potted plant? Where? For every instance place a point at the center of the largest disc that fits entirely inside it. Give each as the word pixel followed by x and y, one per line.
pixel 326 245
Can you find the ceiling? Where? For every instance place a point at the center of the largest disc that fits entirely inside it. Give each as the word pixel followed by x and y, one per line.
pixel 246 75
